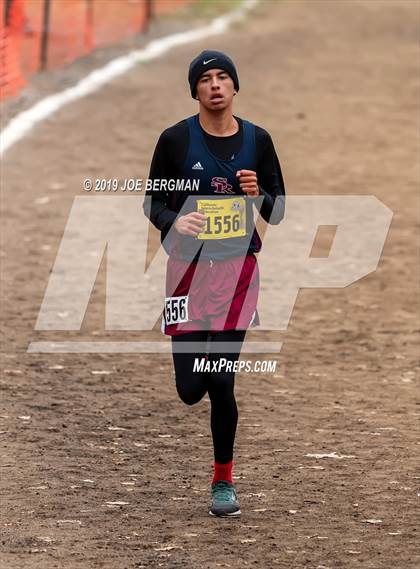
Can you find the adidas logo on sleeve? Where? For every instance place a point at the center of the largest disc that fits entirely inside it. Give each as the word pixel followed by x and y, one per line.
pixel 197 166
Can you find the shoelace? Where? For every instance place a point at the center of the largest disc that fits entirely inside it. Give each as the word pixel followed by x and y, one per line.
pixel 222 491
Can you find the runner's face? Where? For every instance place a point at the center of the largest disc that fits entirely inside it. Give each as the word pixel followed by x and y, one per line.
pixel 215 89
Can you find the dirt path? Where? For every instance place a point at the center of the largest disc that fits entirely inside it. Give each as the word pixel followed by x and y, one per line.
pixel 336 84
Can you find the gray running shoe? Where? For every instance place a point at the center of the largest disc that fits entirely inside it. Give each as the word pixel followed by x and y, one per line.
pixel 224 501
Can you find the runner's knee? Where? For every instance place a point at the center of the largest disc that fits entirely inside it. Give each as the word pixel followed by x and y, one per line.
pixel 190 395
pixel 221 385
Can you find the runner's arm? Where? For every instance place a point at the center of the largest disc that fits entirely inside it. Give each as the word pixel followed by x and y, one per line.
pixel 156 203
pixel 270 179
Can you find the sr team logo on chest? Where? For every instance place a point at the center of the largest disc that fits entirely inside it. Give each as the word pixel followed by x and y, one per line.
pixel 221 185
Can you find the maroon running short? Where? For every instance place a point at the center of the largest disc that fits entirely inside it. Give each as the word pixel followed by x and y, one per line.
pixel 211 295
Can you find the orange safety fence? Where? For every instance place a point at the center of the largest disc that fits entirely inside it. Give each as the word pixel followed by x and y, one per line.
pixel 46 34
pixel 11 78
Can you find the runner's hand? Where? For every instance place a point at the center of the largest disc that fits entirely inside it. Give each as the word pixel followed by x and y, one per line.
pixel 191 224
pixel 248 182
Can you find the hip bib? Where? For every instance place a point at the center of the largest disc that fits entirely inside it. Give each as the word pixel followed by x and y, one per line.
pixel 226 218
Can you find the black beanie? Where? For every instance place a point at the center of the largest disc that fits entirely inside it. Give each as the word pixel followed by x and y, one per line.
pixel 210 59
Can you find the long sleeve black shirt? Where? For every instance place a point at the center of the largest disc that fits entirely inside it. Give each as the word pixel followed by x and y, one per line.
pixel 171 152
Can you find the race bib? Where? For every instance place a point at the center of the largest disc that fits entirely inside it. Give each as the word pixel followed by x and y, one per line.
pixel 226 218
pixel 176 309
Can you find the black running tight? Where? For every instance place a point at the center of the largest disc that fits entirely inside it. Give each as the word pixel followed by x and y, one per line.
pixel 193 385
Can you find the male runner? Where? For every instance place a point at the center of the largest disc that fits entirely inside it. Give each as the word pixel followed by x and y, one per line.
pixel 212 276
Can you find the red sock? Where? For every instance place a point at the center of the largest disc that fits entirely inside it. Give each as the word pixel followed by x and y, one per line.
pixel 223 472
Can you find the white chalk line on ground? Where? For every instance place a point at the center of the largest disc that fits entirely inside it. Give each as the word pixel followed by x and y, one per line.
pixel 24 122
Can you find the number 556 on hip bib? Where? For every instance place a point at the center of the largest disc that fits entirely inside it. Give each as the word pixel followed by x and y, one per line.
pixel 176 309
